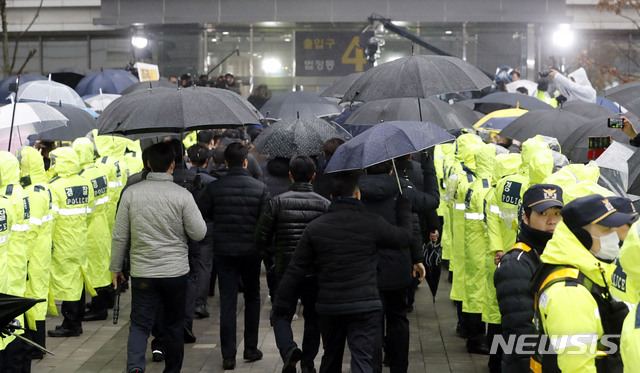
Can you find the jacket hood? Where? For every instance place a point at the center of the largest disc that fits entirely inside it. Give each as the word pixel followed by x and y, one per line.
pixel 466 146
pixel 484 159
pixel 31 165
pixel 573 174
pixel 580 77
pixel 134 146
pixel 64 161
pixel 565 248
pixel 112 146
pixel 505 164
pixel 540 166
pixel 630 253
pixel 9 169
pixel 583 189
pixel 84 148
pixel 377 187
pixel 529 147
pixel 278 167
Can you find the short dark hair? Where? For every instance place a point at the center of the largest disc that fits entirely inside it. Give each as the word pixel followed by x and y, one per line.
pixel 205 137
pixel 198 155
pixel 254 133
pixel 160 156
pixel 232 133
pixel 217 135
pixel 527 212
pixel 523 90
pixel 344 184
pixel 329 147
pixel 302 168
pixel 380 168
pixel 145 158
pixel 176 145
pixel 235 154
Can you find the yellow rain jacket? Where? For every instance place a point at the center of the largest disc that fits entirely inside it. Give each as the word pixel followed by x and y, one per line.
pixel 476 239
pixel 571 310
pixel 630 338
pixel 7 219
pixel 445 202
pixel 98 233
pixel 133 157
pixel 116 170
pixel 574 173
pixel 32 177
pixel 73 203
pixel 440 153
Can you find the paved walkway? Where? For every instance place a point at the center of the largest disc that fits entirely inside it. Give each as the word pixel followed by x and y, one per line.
pixel 102 348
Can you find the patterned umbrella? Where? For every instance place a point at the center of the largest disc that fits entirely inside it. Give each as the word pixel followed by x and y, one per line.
pixel 291 137
pixel 299 104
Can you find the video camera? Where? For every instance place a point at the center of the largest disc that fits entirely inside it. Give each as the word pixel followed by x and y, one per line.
pixel 554 66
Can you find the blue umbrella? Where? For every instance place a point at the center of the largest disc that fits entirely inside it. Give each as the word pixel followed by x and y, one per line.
pixel 4 85
pixel 613 106
pixel 386 141
pixel 109 81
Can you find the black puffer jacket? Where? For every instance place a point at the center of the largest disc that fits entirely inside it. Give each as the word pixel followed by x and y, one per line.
pixel 343 242
pixel 516 302
pixel 234 203
pixel 379 196
pixel 285 217
pixel 275 174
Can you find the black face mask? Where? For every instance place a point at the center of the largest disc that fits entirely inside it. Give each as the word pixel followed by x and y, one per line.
pixel 25 181
pixel 535 238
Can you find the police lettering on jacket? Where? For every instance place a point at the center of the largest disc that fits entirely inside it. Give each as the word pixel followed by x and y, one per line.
pixel 77 195
pixel 3 220
pixel 99 186
pixel 511 193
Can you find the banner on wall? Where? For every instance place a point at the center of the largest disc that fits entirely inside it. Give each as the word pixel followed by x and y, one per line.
pixel 331 53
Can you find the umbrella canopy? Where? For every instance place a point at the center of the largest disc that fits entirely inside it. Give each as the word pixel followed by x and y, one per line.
pixel 553 123
pixel 532 87
pixel 417 76
pixel 614 169
pixel 504 100
pixel 105 81
pixel 299 104
pixel 48 91
pixel 413 109
pixel 101 101
pixel 634 173
pixel 4 85
pixel 12 307
pixel 71 75
pixel 576 145
pixel 290 137
pixel 498 120
pixel 30 118
pixel 613 106
pixel 432 259
pixel 386 141
pixel 587 109
pixel 80 123
pixel 627 95
pixel 176 111
pixel 143 86
pixel 340 86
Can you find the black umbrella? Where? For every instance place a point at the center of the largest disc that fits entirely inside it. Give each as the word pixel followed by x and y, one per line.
pixel 576 145
pixel 553 123
pixel 176 111
pixel 504 100
pixel 432 252
pixel 290 137
pixel 70 76
pixel 627 95
pixel 417 76
pixel 408 109
pixel 143 86
pixel 588 109
pixel 11 307
pixel 634 173
pixel 340 86
pixel 614 169
pixel 299 104
pixel 80 123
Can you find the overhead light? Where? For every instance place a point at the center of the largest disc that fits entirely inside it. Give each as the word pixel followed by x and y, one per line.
pixel 448 32
pixel 139 41
pixel 531 63
pixel 225 32
pixel 214 40
pixel 271 65
pixel 563 37
pixel 287 39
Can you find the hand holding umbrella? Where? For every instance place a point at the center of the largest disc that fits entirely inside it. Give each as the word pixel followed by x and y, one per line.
pixel 118 280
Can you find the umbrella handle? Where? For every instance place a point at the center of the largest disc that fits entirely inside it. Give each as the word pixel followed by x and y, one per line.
pixel 395 172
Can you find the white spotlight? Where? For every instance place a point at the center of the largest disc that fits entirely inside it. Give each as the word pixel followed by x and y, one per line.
pixel 139 42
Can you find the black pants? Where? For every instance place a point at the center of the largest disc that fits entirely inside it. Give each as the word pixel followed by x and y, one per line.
pixel 205 270
pixel 73 312
pixel 17 358
pixel 232 269
pixel 393 332
pixel 359 330
pixel 308 294
pixel 146 296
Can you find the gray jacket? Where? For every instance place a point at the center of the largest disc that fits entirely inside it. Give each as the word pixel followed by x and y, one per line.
pixel 156 216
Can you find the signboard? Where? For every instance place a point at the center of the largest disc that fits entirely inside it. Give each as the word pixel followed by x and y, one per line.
pixel 331 53
pixel 147 72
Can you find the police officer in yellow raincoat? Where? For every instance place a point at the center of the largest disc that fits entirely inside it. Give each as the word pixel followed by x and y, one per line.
pixel 630 337
pixel 73 203
pixel 7 219
pixel 111 160
pixel 98 233
pixel 33 180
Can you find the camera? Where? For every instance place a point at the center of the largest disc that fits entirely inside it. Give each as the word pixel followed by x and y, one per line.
pixel 615 122
pixel 554 65
pixel 599 142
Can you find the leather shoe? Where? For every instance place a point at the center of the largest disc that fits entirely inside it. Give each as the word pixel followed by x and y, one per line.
pixel 36 354
pixel 478 348
pixel 201 312
pixel 157 355
pixel 306 369
pixel 252 354
pixel 135 370
pixel 291 358
pixel 229 363
pixel 60 327
pixel 189 337
pixel 94 316
pixel 62 332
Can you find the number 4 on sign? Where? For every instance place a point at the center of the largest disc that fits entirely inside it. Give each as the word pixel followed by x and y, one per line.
pixel 358 59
